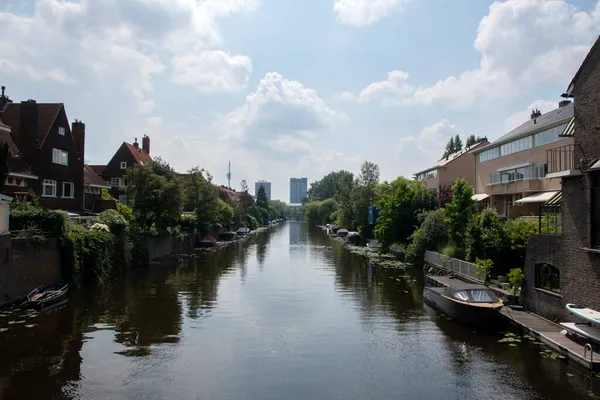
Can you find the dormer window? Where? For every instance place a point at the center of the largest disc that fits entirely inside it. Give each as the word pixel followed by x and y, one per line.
pixel 123 164
pixel 61 130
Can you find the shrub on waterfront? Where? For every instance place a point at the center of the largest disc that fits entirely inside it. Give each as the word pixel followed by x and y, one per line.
pixel 431 235
pixel 26 216
pixel 484 231
pixel 116 222
pixel 517 231
pixel 251 222
pixel 188 223
pixel 516 278
pixel 484 269
pixel 321 212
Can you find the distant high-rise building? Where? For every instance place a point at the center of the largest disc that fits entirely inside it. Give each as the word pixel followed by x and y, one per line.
pixel 298 189
pixel 266 185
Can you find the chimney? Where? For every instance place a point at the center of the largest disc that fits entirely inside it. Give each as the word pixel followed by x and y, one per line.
pixel 564 103
pixel 28 122
pixel 78 132
pixel 135 144
pixel 4 100
pixel 146 144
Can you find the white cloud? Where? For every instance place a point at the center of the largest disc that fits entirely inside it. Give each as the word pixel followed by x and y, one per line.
pixel 365 12
pixel 279 106
pixel 523 116
pixel 212 71
pixel 419 151
pixel 522 43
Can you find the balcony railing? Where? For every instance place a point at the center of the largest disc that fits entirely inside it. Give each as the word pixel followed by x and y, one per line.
pixel 561 159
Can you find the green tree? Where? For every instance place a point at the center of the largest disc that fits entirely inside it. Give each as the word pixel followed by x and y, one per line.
pixel 484 231
pixel 328 186
pixel 261 198
pixel 449 148
pixel 321 212
pixel 399 203
pixel 517 232
pixel 458 145
pixel 203 197
pixel 225 213
pixel 363 196
pixel 431 235
pixel 157 200
pixel 460 211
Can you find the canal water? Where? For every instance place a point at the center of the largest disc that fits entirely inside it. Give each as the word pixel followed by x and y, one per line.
pixel 288 315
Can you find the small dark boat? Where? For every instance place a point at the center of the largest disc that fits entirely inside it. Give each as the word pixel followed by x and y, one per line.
pixel 342 232
pixel 207 241
pixel 243 231
pixel 227 236
pixel 354 238
pixel 464 302
pixel 47 295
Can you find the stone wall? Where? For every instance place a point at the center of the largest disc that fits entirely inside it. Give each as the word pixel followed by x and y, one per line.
pixel 160 247
pixel 30 265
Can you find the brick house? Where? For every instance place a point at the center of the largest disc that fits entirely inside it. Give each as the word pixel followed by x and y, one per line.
pixel 18 181
pixel 126 156
pixel 565 267
pixel 47 154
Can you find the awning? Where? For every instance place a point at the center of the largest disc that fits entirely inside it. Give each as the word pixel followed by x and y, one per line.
pixel 595 166
pixel 480 197
pixel 555 201
pixel 537 198
pixel 569 129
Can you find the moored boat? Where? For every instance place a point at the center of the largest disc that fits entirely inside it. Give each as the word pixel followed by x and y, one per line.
pixel 47 295
pixel 227 236
pixel 587 314
pixel 354 238
pixel 464 302
pixel 207 241
pixel 342 232
pixel 243 231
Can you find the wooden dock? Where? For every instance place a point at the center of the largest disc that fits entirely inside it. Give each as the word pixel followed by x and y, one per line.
pixel 550 334
pixel 543 330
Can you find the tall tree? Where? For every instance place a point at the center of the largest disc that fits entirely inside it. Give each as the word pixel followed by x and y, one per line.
pixel 458 145
pixel 471 140
pixel 157 200
pixel 363 196
pixel 203 197
pixel 460 211
pixel 327 187
pixel 261 198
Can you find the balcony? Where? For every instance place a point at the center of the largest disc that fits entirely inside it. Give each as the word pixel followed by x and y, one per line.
pixel 561 162
pixel 515 186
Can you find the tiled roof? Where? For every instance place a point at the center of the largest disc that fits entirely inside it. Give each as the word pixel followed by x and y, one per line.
pixel 533 125
pixel 90 178
pixel 138 154
pixel 19 166
pixel 98 169
pixel 444 161
pixel 47 113
pixel 6 137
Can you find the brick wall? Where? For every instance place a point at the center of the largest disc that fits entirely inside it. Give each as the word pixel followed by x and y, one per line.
pixel 31 265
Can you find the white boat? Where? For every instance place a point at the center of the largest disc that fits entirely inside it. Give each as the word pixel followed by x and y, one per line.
pixel 591 316
pixel 582 330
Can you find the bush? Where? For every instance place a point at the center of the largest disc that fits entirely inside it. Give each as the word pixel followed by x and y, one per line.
pixel 25 216
pixel 517 232
pixel 88 255
pixel 189 223
pixel 484 231
pixel 116 222
pixel 431 235
pixel 484 269
pixel 516 278
pixel 251 222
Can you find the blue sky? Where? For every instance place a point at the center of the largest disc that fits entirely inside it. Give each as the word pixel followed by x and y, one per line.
pixel 293 88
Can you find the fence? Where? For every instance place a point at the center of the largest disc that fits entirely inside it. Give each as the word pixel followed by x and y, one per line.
pixel 459 267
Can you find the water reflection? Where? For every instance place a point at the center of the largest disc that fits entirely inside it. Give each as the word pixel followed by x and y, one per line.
pixel 289 314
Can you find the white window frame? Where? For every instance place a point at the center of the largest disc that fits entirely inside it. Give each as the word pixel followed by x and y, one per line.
pixel 60 157
pixel 72 196
pixel 123 164
pixel 49 183
pixel 117 182
pixel 61 130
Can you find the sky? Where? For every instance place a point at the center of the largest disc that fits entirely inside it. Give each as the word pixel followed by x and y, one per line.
pixel 288 88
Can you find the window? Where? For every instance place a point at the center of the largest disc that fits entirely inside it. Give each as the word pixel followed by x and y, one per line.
pixel 547 277
pixel 123 198
pixel 92 190
pixel 595 200
pixel 117 182
pixel 515 146
pixel 68 190
pixel 48 188
pixel 61 130
pixel 540 171
pixel 60 157
pixel 123 164
pixel 549 135
pixel 462 296
pixel 489 154
pixel 483 296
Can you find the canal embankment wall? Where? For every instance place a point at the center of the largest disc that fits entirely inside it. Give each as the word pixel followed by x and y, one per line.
pixel 26 264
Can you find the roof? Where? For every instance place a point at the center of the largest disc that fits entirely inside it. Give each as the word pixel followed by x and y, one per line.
pixel 444 161
pixel 138 154
pixel 569 129
pixel 6 137
pixel 90 178
pixel 534 125
pixel 18 165
pixel 47 113
pixel 98 169
pixel 555 200
pixel 571 88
